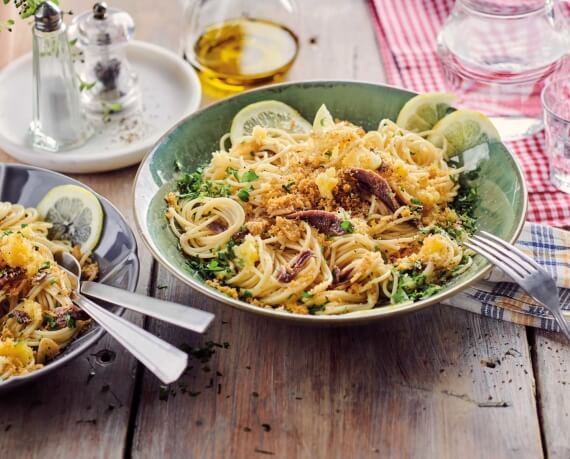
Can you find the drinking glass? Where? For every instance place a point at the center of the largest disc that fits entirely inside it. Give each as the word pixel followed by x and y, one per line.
pixel 238 44
pixel 556 103
pixel 497 55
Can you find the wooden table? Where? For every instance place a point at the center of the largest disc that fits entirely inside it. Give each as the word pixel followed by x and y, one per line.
pixel 441 383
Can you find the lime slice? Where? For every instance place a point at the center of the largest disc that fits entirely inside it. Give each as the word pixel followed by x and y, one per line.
pixel 323 119
pixel 269 114
pixel 422 112
pixel 76 215
pixel 463 129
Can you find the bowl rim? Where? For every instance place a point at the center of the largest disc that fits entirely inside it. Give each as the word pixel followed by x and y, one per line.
pixel 66 357
pixel 352 318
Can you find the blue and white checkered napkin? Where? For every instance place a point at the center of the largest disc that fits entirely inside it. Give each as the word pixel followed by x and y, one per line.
pixel 498 297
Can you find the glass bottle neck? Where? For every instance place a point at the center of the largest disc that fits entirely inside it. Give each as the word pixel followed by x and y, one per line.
pixel 507 7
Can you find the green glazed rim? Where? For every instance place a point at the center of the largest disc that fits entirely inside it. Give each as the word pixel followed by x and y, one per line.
pixel 192 140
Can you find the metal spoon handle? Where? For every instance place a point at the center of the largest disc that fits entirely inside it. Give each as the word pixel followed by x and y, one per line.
pixel 161 358
pixel 174 313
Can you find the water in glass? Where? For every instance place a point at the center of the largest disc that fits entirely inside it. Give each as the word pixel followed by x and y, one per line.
pixel 497 54
pixel 556 102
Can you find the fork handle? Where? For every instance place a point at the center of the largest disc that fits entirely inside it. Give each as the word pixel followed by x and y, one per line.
pixel 161 358
pixel 174 313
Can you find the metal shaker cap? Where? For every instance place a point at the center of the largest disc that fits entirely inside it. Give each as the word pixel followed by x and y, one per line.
pixel 102 26
pixel 47 17
pixel 100 10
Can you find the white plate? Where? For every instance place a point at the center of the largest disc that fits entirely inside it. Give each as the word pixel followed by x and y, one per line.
pixel 170 91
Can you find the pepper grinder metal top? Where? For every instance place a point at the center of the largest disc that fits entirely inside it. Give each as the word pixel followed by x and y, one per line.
pixel 58 122
pixel 108 80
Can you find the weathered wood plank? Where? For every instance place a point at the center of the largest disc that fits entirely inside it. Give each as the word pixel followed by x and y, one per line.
pixel 441 383
pixel 551 358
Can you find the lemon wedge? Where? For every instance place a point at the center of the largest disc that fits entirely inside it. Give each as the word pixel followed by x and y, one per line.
pixel 76 215
pixel 463 129
pixel 323 119
pixel 268 114
pixel 422 112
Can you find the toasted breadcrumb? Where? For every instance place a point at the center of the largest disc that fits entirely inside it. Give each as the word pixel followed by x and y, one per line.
pixel 229 291
pixel 286 230
pixel 296 308
pixel 257 227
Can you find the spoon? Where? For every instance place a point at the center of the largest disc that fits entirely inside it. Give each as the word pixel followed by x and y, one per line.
pixel 164 360
pixel 177 314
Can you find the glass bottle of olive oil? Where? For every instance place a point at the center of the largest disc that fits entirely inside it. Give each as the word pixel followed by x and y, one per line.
pixel 241 53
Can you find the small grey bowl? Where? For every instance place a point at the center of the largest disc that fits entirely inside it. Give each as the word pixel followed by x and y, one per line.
pixel 116 252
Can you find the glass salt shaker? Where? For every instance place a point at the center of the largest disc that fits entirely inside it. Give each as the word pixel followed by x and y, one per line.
pixel 108 80
pixel 497 55
pixel 58 119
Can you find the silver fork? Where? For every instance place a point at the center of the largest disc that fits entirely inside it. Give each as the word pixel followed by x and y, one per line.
pixel 521 268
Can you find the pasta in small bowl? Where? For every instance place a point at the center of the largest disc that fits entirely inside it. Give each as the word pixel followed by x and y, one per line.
pixel 40 327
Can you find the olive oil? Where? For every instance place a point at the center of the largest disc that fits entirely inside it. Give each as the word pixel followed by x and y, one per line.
pixel 240 53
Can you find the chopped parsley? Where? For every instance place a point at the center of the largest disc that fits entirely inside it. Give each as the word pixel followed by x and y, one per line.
pixel 287 187
pixel 416 202
pixel 85 86
pixel 45 265
pixel 243 194
pixel 412 286
pixel 194 185
pixel 51 322
pixel 316 308
pixel 220 267
pixel 249 176
pixel 465 203
pixel 347 226
pixel 307 295
pixel 232 171
pixel 69 320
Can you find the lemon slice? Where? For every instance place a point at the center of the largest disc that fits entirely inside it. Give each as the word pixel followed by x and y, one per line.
pixel 422 112
pixel 463 129
pixel 76 215
pixel 269 114
pixel 323 119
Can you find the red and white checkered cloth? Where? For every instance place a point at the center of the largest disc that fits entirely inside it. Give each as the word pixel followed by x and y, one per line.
pixel 407 31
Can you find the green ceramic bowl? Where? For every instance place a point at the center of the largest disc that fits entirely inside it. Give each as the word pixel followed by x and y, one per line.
pixel 191 142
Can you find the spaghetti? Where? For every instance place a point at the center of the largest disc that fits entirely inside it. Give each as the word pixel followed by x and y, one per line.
pixel 37 316
pixel 328 222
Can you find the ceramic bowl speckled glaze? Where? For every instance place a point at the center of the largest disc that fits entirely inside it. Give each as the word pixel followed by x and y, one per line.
pixel 116 252
pixel 192 141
